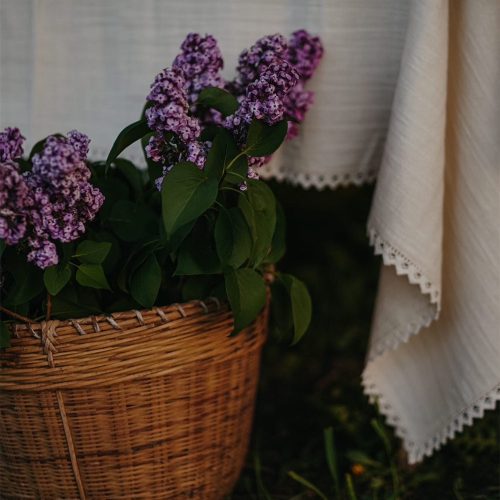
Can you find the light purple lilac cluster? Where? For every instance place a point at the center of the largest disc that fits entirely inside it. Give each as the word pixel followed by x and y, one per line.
pixel 52 202
pixel 200 61
pixel 169 114
pixel 269 86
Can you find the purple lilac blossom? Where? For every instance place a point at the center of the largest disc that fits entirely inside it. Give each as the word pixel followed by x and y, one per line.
pixel 264 98
pixel 304 53
pixel 61 198
pixel 13 201
pixel 297 102
pixel 200 62
pixel 43 253
pixel 254 61
pixel 169 110
pixel 11 144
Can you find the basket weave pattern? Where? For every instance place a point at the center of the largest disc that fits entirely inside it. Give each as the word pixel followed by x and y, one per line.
pixel 141 404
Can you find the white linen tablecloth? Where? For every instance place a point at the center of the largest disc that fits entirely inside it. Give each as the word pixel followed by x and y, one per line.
pixel 425 73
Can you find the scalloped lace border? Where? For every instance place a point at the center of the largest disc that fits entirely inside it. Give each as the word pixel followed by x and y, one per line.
pixel 404 266
pixel 317 180
pixel 417 451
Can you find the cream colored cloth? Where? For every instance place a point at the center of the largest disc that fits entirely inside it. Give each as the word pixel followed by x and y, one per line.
pixel 434 358
pixel 436 215
pixel 88 65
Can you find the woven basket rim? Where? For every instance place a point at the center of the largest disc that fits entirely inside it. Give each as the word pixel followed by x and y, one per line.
pixel 146 316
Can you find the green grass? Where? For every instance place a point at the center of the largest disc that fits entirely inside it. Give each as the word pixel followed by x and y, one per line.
pixel 315 432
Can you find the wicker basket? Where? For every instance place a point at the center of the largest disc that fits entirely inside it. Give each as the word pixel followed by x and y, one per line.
pixel 141 404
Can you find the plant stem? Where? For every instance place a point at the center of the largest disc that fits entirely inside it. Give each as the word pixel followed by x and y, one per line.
pixel 15 315
pixel 49 307
pixel 231 163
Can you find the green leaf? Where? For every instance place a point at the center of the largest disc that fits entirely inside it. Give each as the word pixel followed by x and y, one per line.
pixel 281 309
pixel 75 304
pixel 132 174
pixel 232 238
pixel 132 221
pixel 114 257
pixel 28 281
pixel 145 282
pixel 92 252
pixel 219 99
pixel 278 243
pixel 198 287
pixel 223 150
pixel 92 276
pixel 180 235
pixel 246 292
pixel 300 302
pixel 2 247
pixel 4 335
pixel 263 139
pixel 196 255
pixel 126 137
pixel 187 193
pixel 56 278
pixel 258 205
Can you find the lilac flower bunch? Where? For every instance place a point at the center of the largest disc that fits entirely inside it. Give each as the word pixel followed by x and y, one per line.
pixel 254 61
pixel 269 86
pixel 201 62
pixel 52 202
pixel 303 52
pixel 169 113
pixel 11 144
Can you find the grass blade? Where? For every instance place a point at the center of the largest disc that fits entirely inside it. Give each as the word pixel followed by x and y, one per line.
pixel 304 482
pixel 331 459
pixel 351 493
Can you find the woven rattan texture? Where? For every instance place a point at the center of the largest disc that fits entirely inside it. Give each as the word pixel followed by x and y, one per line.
pixel 149 404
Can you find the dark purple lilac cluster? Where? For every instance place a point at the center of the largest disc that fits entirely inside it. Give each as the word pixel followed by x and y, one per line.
pixel 303 52
pixel 254 61
pixel 200 62
pixel 11 144
pixel 13 201
pixel 52 202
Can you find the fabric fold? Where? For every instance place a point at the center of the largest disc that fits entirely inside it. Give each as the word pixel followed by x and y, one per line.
pixel 433 363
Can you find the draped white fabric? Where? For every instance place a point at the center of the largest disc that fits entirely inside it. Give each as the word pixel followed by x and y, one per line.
pixel 434 359
pixel 423 73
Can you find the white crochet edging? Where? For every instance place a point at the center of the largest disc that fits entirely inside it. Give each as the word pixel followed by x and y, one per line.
pixel 404 266
pixel 417 451
pixel 393 342
pixel 317 180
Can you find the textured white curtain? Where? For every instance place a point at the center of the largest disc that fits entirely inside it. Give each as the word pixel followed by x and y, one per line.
pixel 88 65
